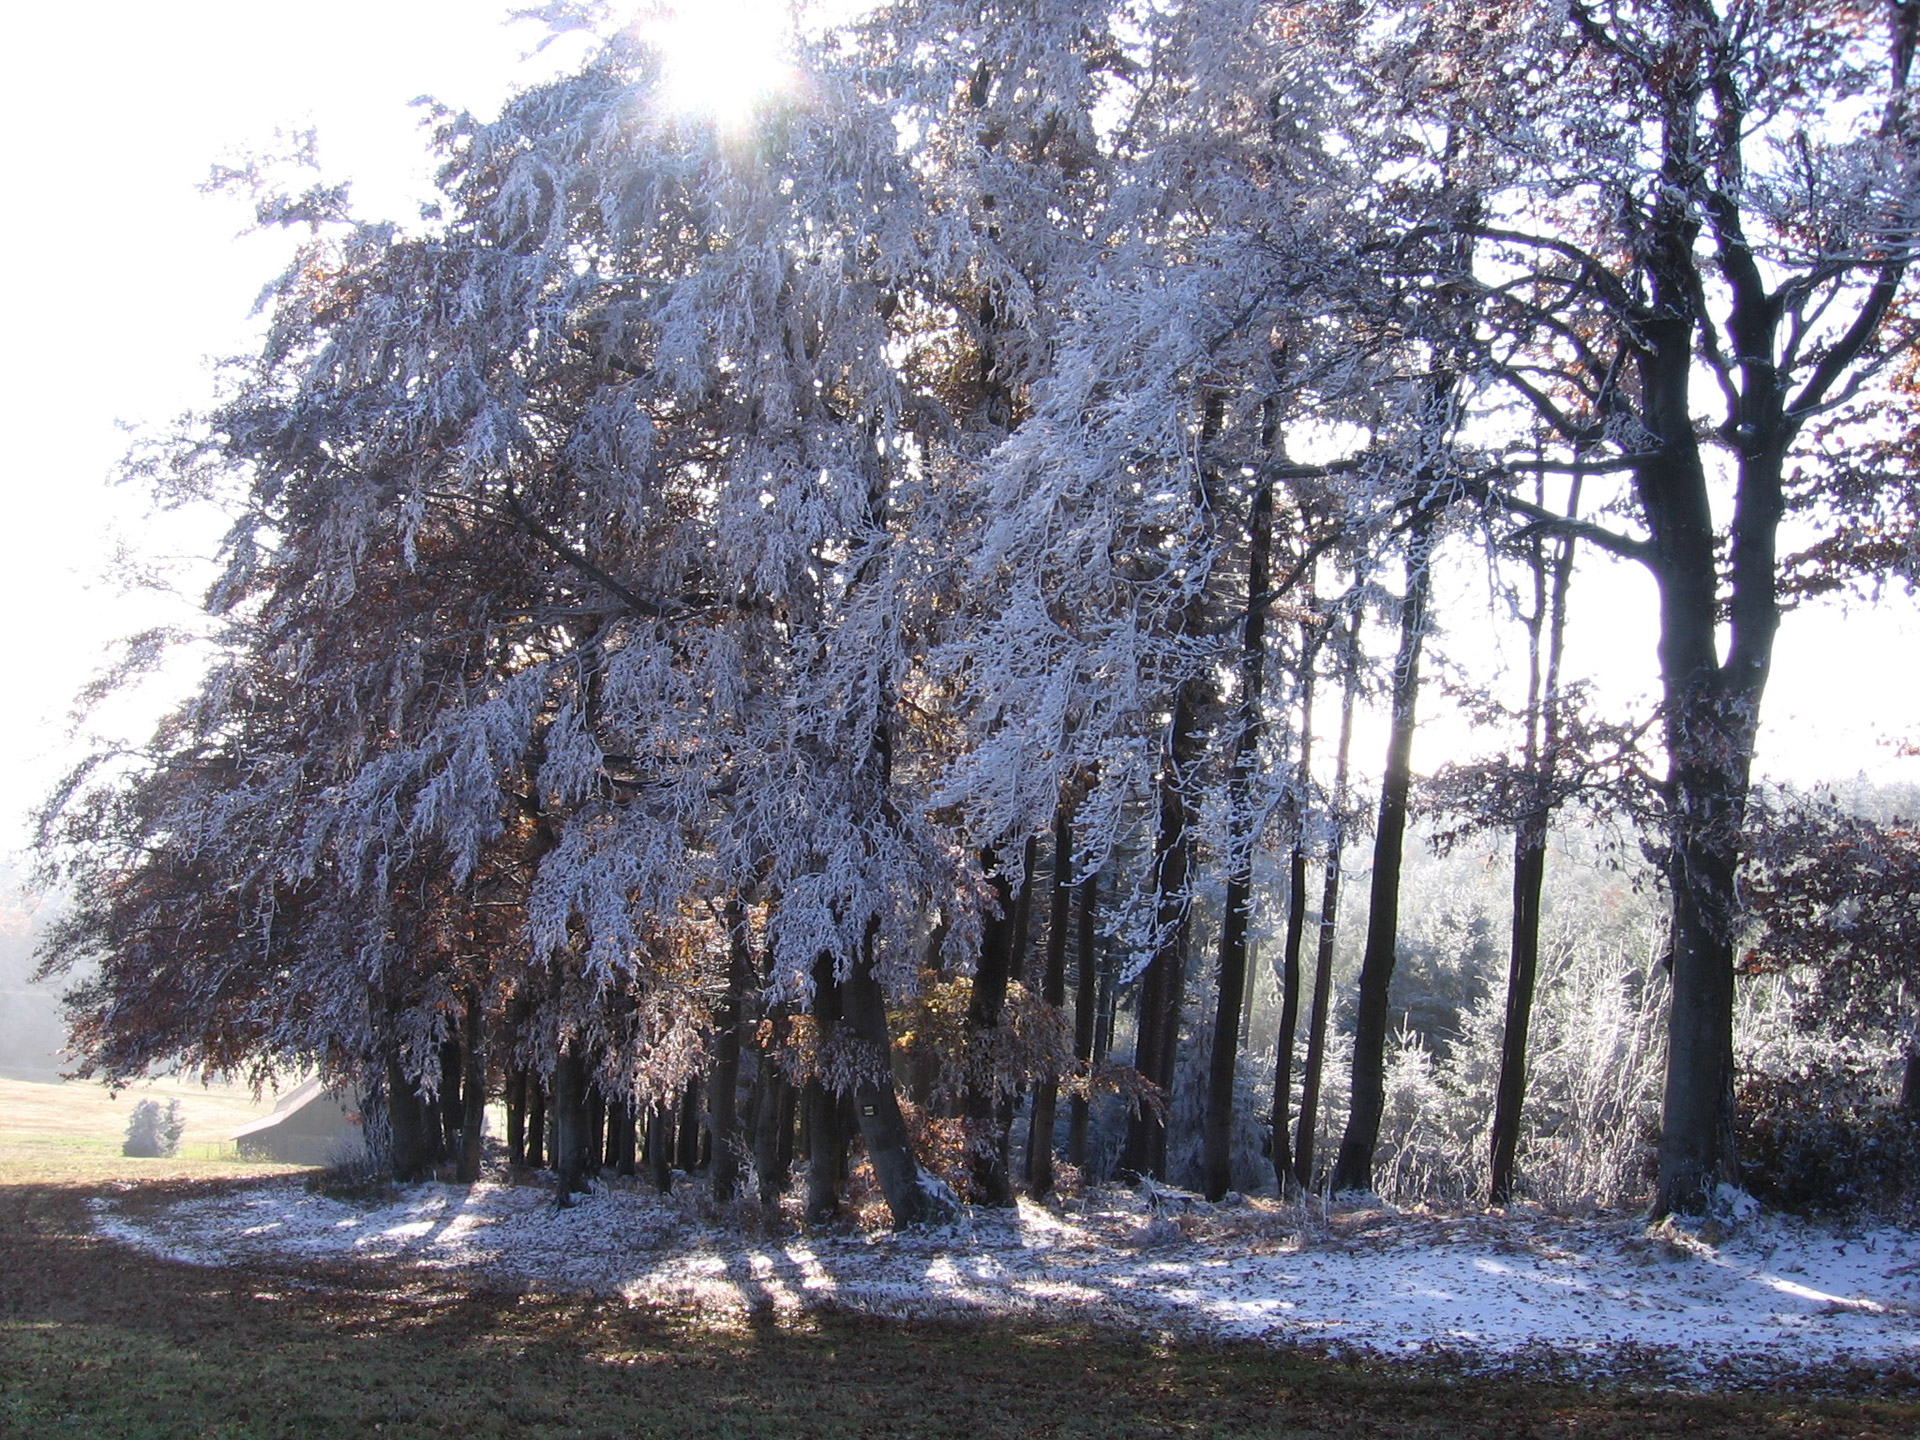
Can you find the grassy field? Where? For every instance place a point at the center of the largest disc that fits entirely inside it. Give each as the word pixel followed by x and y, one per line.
pixel 102 1343
pixel 72 1131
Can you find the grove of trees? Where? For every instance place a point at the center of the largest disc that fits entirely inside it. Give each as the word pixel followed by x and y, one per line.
pixel 774 646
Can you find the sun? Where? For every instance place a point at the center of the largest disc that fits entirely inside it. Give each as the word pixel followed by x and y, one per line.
pixel 724 59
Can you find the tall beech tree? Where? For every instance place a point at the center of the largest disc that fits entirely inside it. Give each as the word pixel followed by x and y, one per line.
pixel 1740 186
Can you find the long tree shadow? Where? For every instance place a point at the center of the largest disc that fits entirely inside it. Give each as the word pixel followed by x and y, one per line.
pixel 102 1342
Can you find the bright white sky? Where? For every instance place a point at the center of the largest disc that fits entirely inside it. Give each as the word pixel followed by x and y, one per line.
pixel 125 278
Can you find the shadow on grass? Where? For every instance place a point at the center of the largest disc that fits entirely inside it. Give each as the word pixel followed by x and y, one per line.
pixel 102 1342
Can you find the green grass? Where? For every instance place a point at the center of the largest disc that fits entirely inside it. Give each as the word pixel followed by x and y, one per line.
pixel 100 1343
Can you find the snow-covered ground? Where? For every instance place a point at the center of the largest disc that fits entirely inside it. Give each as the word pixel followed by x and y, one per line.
pixel 1515 1289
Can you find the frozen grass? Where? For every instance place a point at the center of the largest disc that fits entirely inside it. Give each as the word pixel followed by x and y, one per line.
pixel 1500 1290
pixel 102 1342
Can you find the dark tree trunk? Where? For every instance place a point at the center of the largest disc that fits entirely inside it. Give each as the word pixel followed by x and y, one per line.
pixel 1086 1003
pixel 1546 634
pixel 826 1138
pixel 1163 986
pixel 1529 874
pixel 1910 1082
pixel 826 1153
pixel 617 1112
pixel 594 1142
pixel 626 1157
pixel 411 1124
pixel 773 1132
pixel 999 945
pixel 1053 990
pixel 877 1106
pixel 569 1117
pixel 1223 1064
pixel 1353 1168
pixel 723 1092
pixel 686 1157
pixel 536 1123
pixel 660 1147
pixel 473 1092
pixel 451 1112
pixel 1307 1133
pixel 516 1099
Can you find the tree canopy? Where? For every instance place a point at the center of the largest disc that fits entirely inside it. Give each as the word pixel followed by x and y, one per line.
pixel 689 590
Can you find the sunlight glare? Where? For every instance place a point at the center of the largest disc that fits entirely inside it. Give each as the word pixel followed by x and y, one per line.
pixel 724 58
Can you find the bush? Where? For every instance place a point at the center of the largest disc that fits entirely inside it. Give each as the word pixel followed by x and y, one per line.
pixel 153 1133
pixel 1822 1140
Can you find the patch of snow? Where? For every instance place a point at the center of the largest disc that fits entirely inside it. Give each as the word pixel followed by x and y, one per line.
pixel 1495 1288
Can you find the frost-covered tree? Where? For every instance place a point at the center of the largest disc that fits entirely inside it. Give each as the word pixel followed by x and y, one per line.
pixel 1692 231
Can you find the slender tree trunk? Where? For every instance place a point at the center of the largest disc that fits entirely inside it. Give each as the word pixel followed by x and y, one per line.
pixel 517 1118
pixel 1163 986
pixel 617 1111
pixel 536 1123
pixel 1053 990
pixel 1530 850
pixel 660 1147
pixel 773 1133
pixel 1086 1015
pixel 999 945
pixel 1353 1168
pixel 1223 1064
pixel 723 1092
pixel 1307 1134
pixel 473 1091
pixel 594 1141
pixel 626 1152
pixel 1278 1118
pixel 687 1134
pixel 450 1112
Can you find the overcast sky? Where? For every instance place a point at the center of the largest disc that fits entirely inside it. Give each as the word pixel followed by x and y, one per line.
pixel 122 279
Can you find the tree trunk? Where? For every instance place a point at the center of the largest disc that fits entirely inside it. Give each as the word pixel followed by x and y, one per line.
pixel 910 1198
pixel 1306 1136
pixel 1353 1168
pixel 627 1156
pixel 536 1123
pixel 473 1091
pixel 1086 1003
pixel 1053 991
pixel 660 1147
pixel 450 1113
pixel 999 943
pixel 516 1099
pixel 594 1141
pixel 1163 986
pixel 569 1119
pixel 723 1091
pixel 410 1125
pixel 1529 874
pixel 686 1156
pixel 1530 847
pixel 1223 1064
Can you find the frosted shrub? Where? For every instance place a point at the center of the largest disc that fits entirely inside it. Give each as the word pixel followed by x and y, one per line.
pixel 1596 1057
pixel 153 1133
